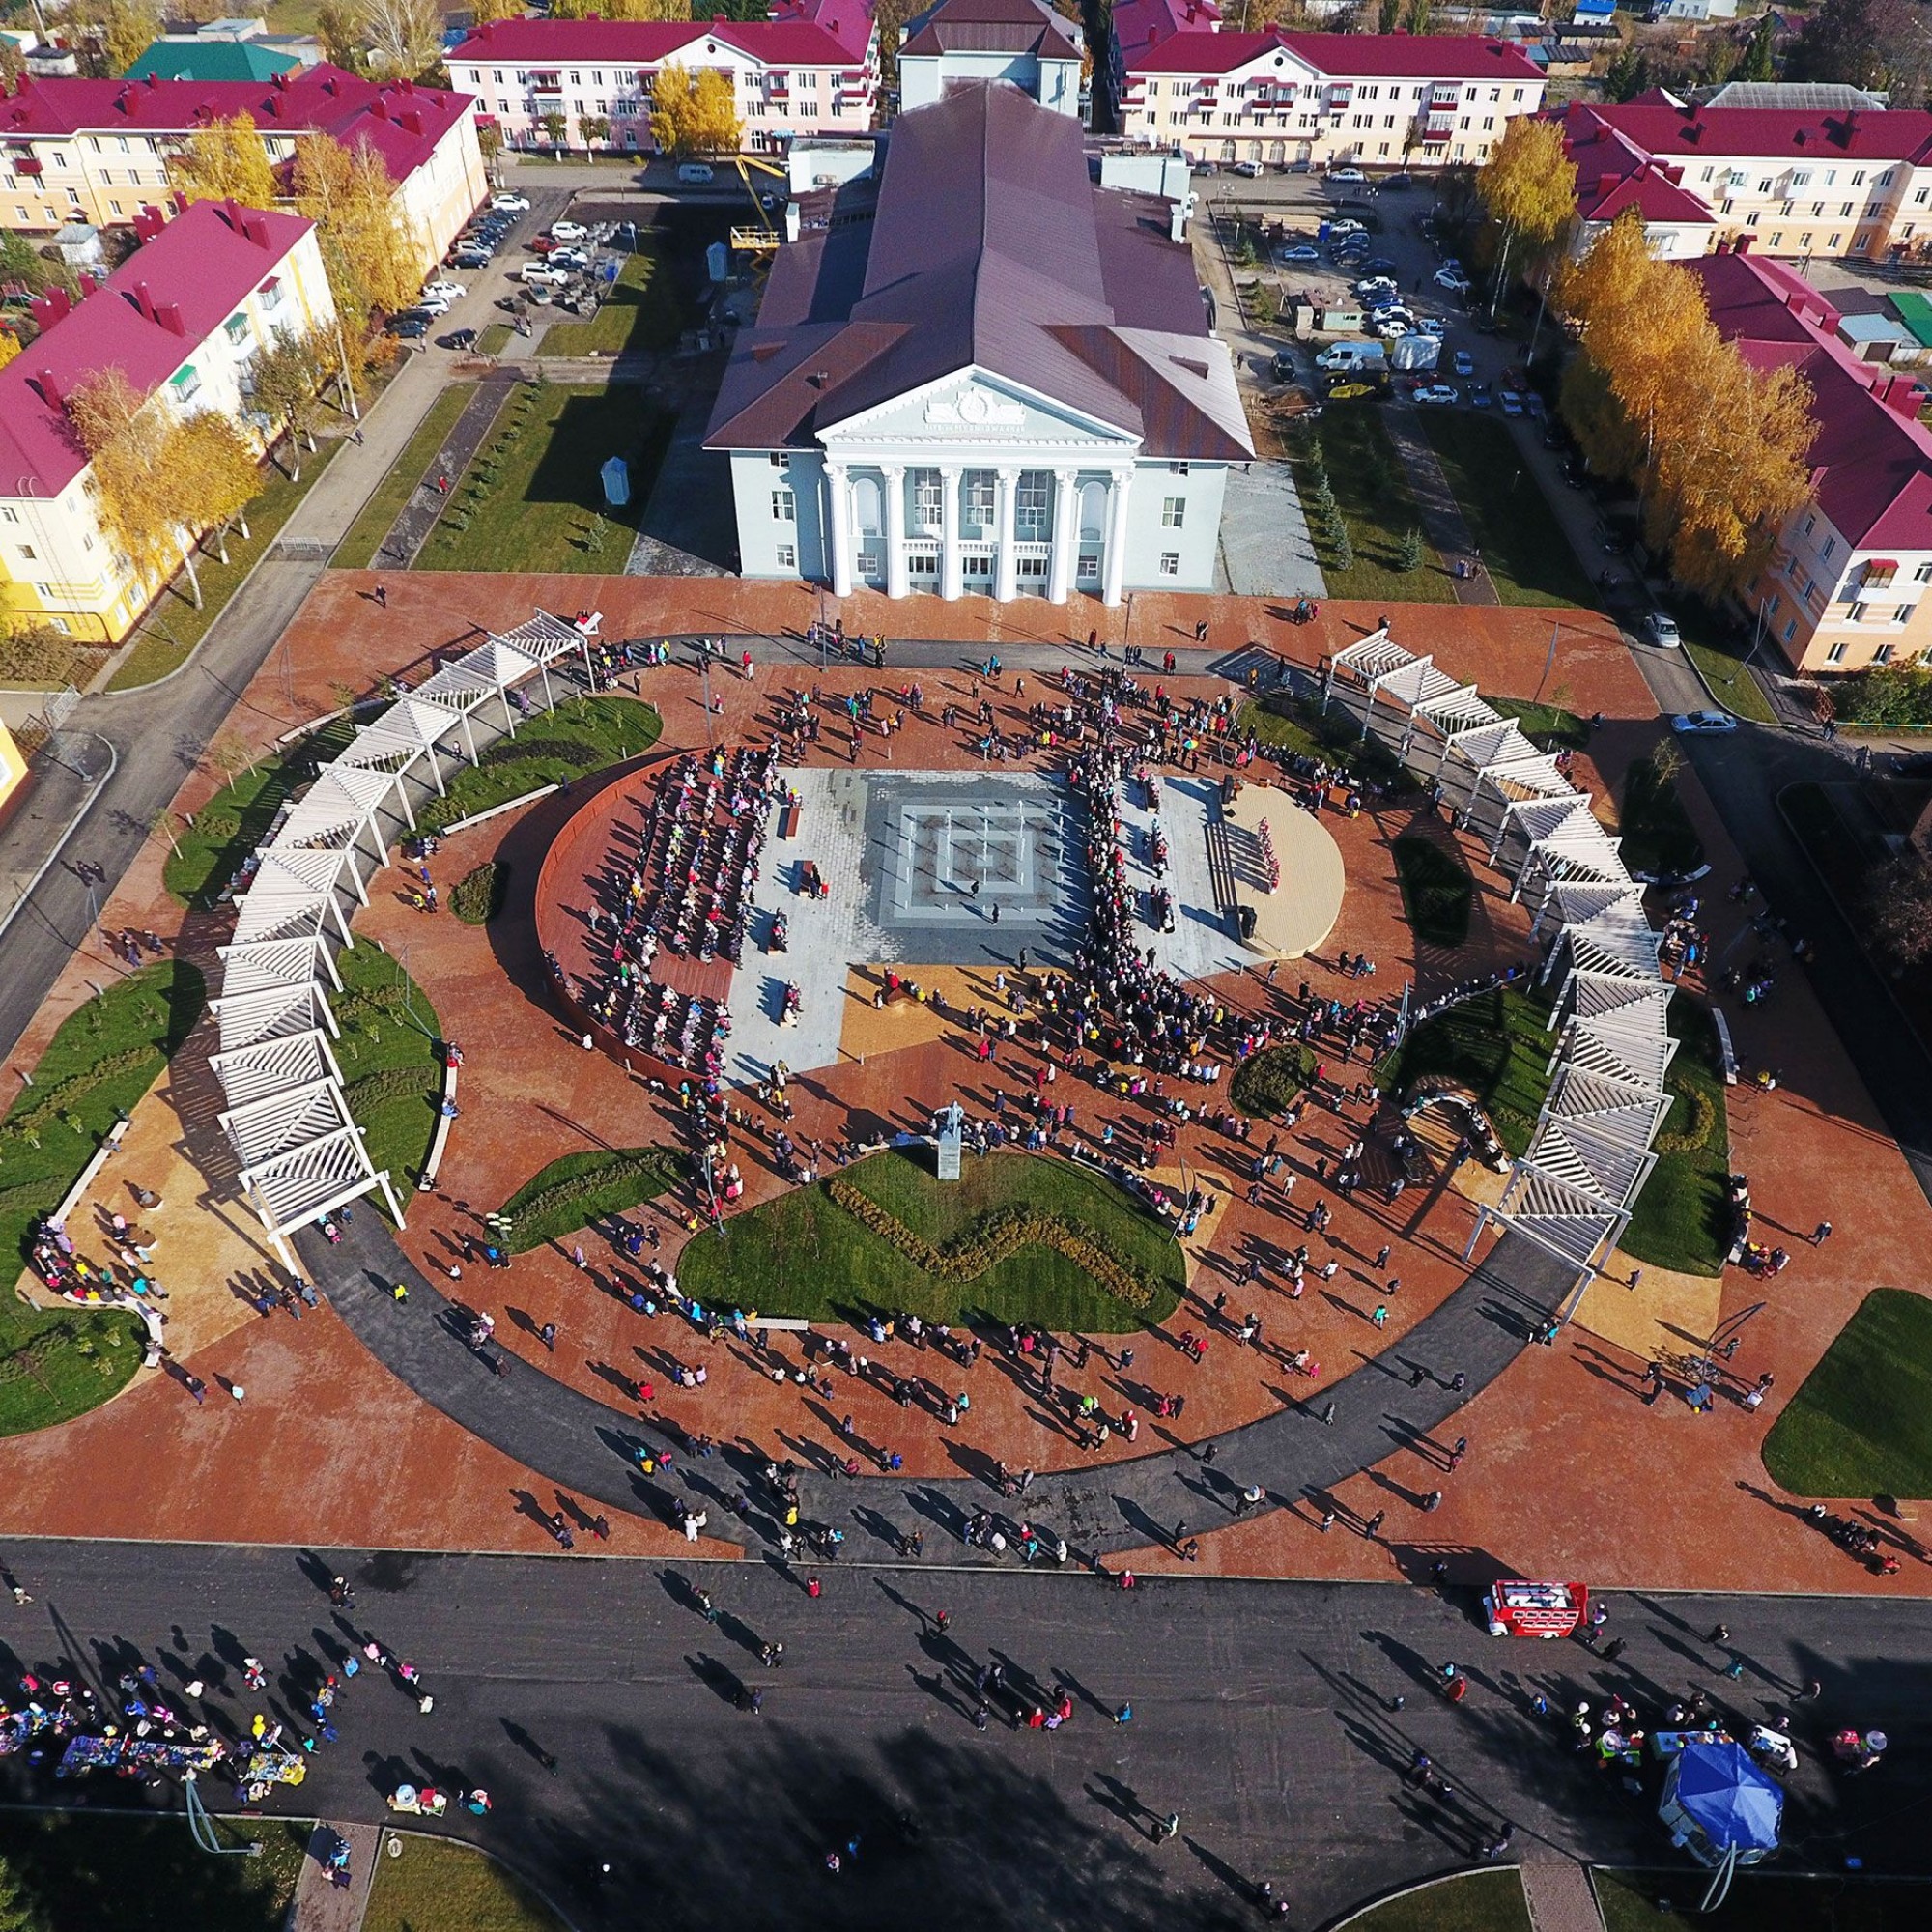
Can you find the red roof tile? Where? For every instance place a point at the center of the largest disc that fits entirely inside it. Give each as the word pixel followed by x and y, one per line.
pixel 1896 134
pixel 831 34
pixel 202 263
pixel 1343 56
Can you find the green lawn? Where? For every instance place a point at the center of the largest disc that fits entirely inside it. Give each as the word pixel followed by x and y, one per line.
pixel 438 1886
pixel 54 1364
pixel 1860 1425
pixel 1479 1901
pixel 582 734
pixel 571 1192
pixel 208 853
pixel 117 1872
pixel 643 312
pixel 803 1255
pixel 174 627
pixel 1436 890
pixel 1296 726
pixel 1524 550
pixel 1268 1083
pixel 1760 1902
pixel 1657 832
pixel 1377 505
pixel 494 339
pixel 1712 643
pixel 1546 726
pixel 358 549
pixel 1682 1220
pixel 391 1077
pixel 532 497
pixel 1493 1045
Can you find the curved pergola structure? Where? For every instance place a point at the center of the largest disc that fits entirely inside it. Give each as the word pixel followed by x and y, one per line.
pixel 1572 1190
pixel 299 1152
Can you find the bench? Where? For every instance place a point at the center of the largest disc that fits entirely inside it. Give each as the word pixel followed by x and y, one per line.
pixel 788 820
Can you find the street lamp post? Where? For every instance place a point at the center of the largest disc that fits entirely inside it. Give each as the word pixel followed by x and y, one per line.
pixel 202 1827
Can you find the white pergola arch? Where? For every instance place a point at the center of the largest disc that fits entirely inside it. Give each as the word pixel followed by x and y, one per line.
pixel 300 1153
pixel 1591 1151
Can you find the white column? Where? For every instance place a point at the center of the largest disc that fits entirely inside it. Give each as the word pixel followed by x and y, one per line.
pixel 1065 536
pixel 839 512
pixel 1114 570
pixel 1005 563
pixel 949 573
pixel 895 560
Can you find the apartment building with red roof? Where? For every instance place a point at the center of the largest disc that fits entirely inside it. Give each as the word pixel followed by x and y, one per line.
pixel 96 151
pixel 182 319
pixel 1847 584
pixel 811 68
pixel 1282 98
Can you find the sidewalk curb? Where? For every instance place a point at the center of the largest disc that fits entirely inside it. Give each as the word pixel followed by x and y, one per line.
pixel 74 824
pixel 1382 1899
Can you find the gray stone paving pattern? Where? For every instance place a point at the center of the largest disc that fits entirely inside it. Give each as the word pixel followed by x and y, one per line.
pixel 1266 549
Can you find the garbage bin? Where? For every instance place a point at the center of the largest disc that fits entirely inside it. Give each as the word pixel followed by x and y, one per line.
pixel 1244 920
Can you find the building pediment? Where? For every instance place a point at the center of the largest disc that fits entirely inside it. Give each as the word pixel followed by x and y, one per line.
pixel 974 409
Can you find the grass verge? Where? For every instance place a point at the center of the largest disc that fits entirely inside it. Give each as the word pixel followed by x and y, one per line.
pixel 174 627
pixel 581 1188
pixel 532 497
pixel 1547 727
pixel 56 1363
pixel 1436 890
pixel 1377 505
pixel 1493 1045
pixel 391 1074
pixel 438 1885
pixel 642 310
pixel 1712 643
pixel 1479 1901
pixel 804 1255
pixel 494 339
pixel 206 854
pixel 1294 728
pixel 358 549
pixel 1524 550
pixel 1759 1902
pixel 1860 1425
pixel 582 734
pixel 1682 1219
pixel 118 1872
pixel 1658 837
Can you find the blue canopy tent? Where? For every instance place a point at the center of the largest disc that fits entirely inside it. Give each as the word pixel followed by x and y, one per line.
pixel 1721 1807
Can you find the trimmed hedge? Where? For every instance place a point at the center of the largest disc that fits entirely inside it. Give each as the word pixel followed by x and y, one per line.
pixel 478 896
pixel 996 1237
pixel 571 1193
pixel 57 1103
pixel 1268 1083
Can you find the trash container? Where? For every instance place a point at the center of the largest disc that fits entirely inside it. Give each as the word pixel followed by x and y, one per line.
pixel 1244 920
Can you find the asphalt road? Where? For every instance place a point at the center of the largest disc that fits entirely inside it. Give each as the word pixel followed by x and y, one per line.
pixel 1262 1714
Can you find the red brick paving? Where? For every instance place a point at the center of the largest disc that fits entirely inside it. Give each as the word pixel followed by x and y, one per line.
pixel 1567 1470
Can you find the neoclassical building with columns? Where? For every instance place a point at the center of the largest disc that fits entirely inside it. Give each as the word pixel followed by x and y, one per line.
pixel 975 372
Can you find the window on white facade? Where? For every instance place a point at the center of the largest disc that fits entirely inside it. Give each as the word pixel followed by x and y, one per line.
pixel 928 500
pixel 1093 511
pixel 1177 468
pixel 1031 503
pixel 1835 655
pixel 27 554
pixel 867 501
pixel 1169 563
pixel 976 504
pixel 781 460
pixel 787 557
pixel 1173 512
pixel 1090 566
pixel 784 506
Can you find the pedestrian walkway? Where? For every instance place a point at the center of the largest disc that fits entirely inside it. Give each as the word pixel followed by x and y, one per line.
pixel 1442 520
pixel 1560 1896
pixel 431 496
pixel 320 1904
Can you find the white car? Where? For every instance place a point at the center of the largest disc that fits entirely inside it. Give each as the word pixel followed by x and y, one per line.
pixel 1338 229
pixel 1376 285
pixel 1347 175
pixel 449 292
pixel 1691 722
pixel 1454 280
pixel 1436 393
pixel 542 272
pixel 1660 628
pixel 570 231
pixel 1302 251
pixel 510 203
pixel 432 305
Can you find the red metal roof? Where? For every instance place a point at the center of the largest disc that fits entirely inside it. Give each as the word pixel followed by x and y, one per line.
pixel 1351 56
pixel 400 121
pixel 204 264
pixel 834 34
pixel 1895 134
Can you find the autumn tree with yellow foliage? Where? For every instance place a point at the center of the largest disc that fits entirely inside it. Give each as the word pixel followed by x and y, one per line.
pixel 1528 189
pixel 1716 447
pixel 10 347
pixel 225 159
pixel 368 247
pixel 622 10
pixel 695 114
pixel 217 475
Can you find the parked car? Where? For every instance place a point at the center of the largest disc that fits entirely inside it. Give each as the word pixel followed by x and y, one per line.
pixel 1660 628
pixel 1347 392
pixel 542 272
pixel 1371 285
pixel 511 204
pixel 1512 402
pixel 1436 393
pixel 693 174
pixel 433 306
pixel 1453 279
pixel 1348 225
pixel 449 292
pixel 1465 363
pixel 471 258
pixel 409 327
pixel 1283 366
pixel 1248 168
pixel 545 245
pixel 1433 325
pixel 569 231
pixel 1302 251
pixel 1382 264
pixel 457 338
pixel 1399 181
pixel 1347 175
pixel 570 258
pixel 1693 724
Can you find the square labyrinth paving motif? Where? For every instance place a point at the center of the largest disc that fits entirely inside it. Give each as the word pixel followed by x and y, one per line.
pixel 943 852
